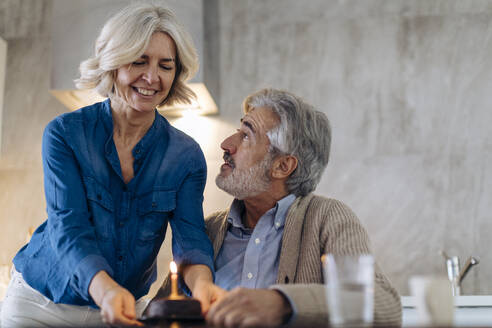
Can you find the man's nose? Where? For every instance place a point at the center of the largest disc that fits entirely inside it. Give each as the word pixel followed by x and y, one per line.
pixel 229 145
pixel 151 75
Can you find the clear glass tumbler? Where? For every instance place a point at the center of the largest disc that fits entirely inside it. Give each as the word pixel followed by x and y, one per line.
pixel 349 281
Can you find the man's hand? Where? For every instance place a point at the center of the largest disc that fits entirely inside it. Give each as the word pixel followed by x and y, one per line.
pixel 250 308
pixel 117 304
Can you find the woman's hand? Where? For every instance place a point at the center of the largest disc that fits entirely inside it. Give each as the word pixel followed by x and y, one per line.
pixel 118 308
pixel 207 293
pixel 199 279
pixel 117 304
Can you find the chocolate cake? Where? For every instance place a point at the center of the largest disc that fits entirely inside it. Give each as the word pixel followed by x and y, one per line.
pixel 181 308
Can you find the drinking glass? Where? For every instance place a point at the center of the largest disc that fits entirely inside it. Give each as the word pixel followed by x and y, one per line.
pixel 349 283
pixel 434 301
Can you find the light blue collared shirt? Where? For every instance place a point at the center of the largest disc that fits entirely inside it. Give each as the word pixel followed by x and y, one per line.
pixel 250 257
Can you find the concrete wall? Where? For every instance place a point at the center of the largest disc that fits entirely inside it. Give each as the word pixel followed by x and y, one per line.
pixel 404 83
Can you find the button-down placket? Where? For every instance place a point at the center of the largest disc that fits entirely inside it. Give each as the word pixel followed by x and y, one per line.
pixel 253 253
pixel 123 220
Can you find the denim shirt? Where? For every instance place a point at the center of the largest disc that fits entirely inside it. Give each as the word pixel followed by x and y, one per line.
pixel 97 222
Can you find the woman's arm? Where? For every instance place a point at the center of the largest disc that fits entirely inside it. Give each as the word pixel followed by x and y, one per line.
pixel 70 232
pixel 73 236
pixel 199 279
pixel 192 249
pixel 117 304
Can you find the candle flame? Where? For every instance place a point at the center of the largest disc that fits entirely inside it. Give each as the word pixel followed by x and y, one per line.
pixel 174 268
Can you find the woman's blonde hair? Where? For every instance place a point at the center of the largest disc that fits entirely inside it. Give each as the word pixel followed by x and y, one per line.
pixel 124 38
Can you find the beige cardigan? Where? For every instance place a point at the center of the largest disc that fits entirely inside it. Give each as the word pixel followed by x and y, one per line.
pixel 315 226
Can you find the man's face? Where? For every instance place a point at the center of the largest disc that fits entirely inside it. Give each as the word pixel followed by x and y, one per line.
pixel 246 171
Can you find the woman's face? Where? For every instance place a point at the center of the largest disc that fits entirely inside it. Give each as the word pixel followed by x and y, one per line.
pixel 145 83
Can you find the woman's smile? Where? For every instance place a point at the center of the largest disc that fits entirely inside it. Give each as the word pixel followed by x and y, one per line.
pixel 144 84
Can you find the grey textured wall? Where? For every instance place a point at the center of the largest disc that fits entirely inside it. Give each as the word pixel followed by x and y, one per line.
pixel 405 84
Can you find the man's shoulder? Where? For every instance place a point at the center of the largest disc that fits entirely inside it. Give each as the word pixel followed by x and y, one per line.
pixel 319 203
pixel 214 221
pixel 316 207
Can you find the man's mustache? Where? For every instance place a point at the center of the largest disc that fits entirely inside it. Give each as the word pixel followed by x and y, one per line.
pixel 228 159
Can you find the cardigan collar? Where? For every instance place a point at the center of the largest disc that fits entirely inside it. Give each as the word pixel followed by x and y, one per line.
pixel 291 240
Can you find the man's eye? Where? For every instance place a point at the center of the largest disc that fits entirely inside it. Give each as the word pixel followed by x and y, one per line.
pixel 242 134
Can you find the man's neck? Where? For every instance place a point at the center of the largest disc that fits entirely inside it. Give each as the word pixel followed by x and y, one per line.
pixel 256 206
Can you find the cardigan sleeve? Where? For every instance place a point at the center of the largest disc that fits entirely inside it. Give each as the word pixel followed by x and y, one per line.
pixel 348 236
pixel 340 232
pixel 308 304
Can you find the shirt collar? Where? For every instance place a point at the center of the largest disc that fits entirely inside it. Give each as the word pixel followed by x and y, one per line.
pixel 282 207
pixel 148 139
pixel 279 212
pixel 235 214
pixel 107 116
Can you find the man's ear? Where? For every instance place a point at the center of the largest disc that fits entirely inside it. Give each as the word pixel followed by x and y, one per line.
pixel 283 166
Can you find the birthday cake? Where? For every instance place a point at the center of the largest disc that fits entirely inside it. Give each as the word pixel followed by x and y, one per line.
pixel 176 309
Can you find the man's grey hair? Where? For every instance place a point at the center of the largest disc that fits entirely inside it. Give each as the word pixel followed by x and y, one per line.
pixel 303 132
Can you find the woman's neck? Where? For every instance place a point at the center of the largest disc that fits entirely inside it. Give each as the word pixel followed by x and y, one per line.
pixel 130 125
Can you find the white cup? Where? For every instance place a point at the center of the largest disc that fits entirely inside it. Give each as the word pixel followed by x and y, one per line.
pixel 349 289
pixel 434 300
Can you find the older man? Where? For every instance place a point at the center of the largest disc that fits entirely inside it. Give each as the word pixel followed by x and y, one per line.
pixel 269 242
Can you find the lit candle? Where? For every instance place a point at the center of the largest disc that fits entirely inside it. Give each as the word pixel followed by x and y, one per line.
pixel 174 279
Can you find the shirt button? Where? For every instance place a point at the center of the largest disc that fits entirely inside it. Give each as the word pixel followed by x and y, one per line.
pixel 250 275
pixel 154 204
pixel 120 258
pixel 277 224
pixel 99 197
pixel 257 241
pixel 122 224
pixel 137 151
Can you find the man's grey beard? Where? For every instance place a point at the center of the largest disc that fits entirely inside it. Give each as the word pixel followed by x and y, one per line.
pixel 247 183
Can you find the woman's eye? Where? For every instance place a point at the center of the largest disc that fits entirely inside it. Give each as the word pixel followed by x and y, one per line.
pixel 167 68
pixel 138 63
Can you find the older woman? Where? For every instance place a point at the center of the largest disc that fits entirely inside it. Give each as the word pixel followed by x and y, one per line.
pixel 116 173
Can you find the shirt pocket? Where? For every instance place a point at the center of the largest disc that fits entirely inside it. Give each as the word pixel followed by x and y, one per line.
pixel 101 208
pixel 154 210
